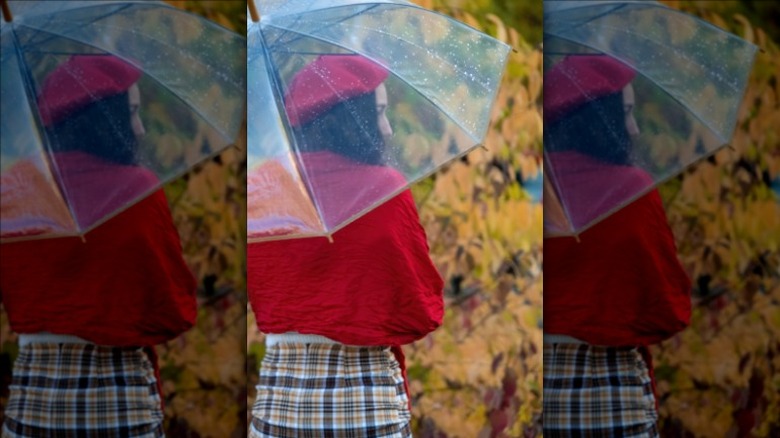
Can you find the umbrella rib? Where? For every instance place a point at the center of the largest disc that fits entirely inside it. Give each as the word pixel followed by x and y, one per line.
pixel 169 178
pixel 276 89
pixel 79 25
pixel 225 135
pixel 41 9
pixel 596 17
pixel 667 92
pixel 650 40
pixel 618 7
pixel 310 34
pixel 558 192
pixel 26 77
pixel 385 34
pixel 325 79
pixel 299 35
pixel 407 82
pixel 129 4
pixel 87 89
pixel 632 198
pixel 650 5
pixel 401 189
pixel 142 36
pixel 297 12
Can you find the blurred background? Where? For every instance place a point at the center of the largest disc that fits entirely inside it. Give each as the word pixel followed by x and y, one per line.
pixel 721 376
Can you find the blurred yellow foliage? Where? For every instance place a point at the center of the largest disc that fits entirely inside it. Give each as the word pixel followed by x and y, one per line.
pixel 720 376
pixel 204 370
pixel 480 373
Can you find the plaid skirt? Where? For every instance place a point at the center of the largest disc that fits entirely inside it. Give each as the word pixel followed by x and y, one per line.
pixel 82 390
pixel 330 390
pixel 592 391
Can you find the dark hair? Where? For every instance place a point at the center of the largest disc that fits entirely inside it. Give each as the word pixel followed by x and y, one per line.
pixel 350 128
pixel 102 128
pixel 597 129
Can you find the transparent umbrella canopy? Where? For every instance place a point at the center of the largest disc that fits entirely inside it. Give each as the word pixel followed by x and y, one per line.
pixel 440 76
pixel 687 78
pixel 67 55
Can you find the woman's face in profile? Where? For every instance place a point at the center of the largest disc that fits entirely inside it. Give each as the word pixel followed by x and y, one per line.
pixel 629 101
pixel 381 110
pixel 134 100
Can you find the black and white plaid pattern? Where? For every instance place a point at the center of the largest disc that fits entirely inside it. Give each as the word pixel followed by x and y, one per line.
pixel 592 391
pixel 82 390
pixel 333 391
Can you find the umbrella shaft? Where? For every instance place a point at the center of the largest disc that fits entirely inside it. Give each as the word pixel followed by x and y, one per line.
pixel 6 11
pixel 252 11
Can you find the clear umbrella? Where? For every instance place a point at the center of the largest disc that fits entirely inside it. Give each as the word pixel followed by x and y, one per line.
pixel 62 63
pixel 682 77
pixel 312 171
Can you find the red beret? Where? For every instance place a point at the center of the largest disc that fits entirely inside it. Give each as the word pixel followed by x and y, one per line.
pixel 579 79
pixel 328 80
pixel 81 80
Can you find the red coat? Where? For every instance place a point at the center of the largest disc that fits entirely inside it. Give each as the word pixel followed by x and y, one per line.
pixel 125 284
pixel 375 284
pixel 621 284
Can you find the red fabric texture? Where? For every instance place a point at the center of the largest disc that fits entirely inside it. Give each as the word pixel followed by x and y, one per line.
pixel 328 80
pixel 619 283
pixel 81 80
pixel 374 284
pixel 579 79
pixel 96 189
pixel 343 188
pixel 125 284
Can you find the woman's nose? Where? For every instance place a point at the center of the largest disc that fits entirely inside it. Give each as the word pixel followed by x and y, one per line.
pixel 384 126
pixel 631 126
pixel 138 127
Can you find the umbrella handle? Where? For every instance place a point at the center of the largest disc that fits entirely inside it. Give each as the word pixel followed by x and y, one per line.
pixel 7 16
pixel 252 10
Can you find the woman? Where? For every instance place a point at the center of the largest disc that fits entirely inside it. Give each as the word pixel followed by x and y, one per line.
pixel 89 311
pixel 336 313
pixel 616 288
